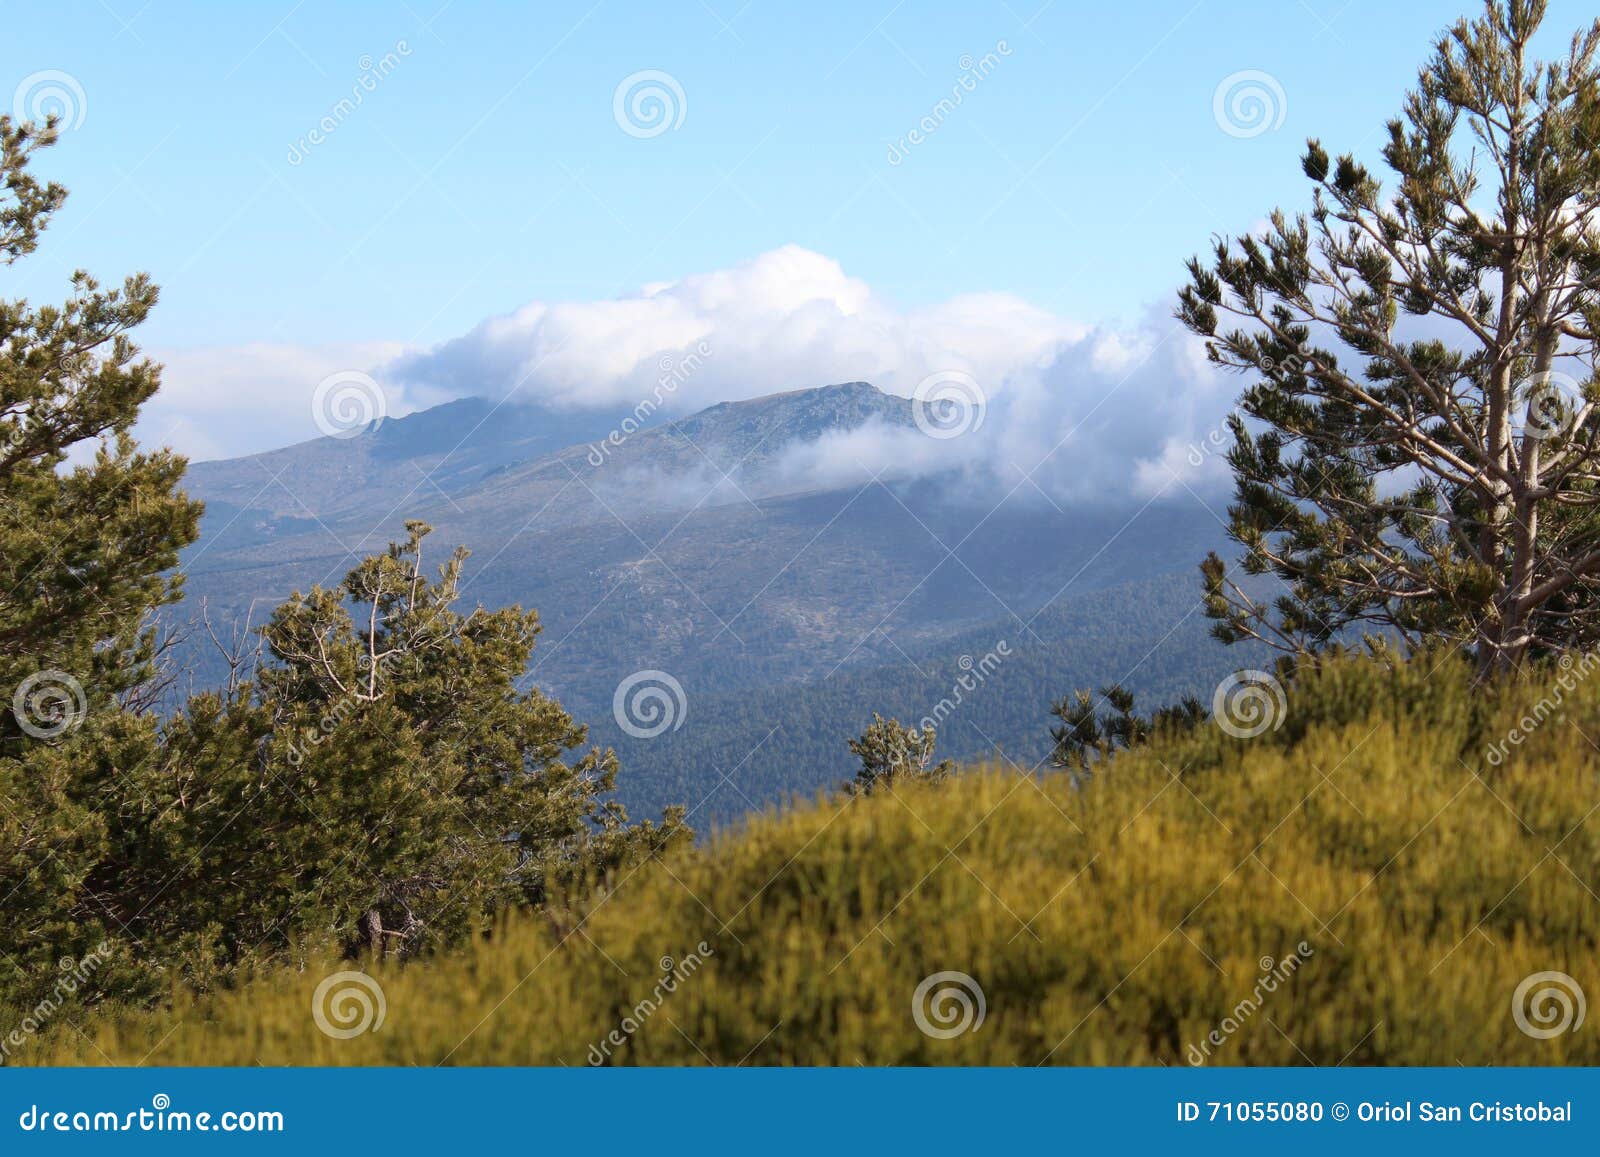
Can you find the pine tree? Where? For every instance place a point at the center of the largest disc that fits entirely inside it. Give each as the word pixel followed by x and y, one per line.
pixel 383 786
pixel 1418 450
pixel 86 552
pixel 1087 735
pixel 891 752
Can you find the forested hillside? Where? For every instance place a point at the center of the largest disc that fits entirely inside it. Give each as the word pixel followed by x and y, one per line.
pixel 988 692
pixel 782 615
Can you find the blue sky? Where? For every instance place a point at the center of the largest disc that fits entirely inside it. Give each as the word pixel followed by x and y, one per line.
pixel 487 169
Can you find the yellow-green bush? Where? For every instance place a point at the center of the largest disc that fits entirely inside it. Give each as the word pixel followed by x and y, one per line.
pixel 1120 921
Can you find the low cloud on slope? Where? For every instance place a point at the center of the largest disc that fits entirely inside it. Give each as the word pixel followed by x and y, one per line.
pixel 1075 411
pixel 1071 410
pixel 1111 416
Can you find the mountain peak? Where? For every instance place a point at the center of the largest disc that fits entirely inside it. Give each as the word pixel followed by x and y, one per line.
pixel 838 390
pixel 800 414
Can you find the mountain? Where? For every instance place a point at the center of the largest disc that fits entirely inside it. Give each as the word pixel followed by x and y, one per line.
pixel 444 450
pixel 785 612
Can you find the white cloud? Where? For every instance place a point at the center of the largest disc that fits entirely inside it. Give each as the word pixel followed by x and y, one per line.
pixel 1084 413
pixel 786 319
pixel 220 401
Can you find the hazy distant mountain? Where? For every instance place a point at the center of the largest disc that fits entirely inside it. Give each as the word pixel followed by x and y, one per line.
pixel 472 465
pixel 684 548
pixel 445 449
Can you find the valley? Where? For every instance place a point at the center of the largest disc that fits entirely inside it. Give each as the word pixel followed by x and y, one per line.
pixel 787 613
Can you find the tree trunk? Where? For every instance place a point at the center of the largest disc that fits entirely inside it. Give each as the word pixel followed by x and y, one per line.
pixel 372 928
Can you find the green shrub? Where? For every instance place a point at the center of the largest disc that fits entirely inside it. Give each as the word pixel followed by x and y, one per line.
pixel 1395 882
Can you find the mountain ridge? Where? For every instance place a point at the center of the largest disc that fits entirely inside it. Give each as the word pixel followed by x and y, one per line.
pixel 687 551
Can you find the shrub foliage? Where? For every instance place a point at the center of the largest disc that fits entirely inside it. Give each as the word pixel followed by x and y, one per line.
pixel 1391 838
